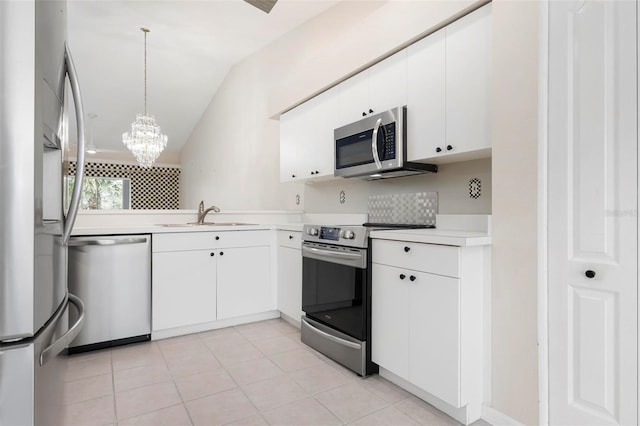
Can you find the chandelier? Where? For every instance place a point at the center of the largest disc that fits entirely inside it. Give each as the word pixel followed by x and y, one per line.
pixel 145 141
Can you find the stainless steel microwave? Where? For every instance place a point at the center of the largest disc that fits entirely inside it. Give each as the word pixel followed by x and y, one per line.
pixel 375 148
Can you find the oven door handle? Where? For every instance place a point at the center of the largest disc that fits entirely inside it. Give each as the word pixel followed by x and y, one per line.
pixel 331 337
pixel 330 253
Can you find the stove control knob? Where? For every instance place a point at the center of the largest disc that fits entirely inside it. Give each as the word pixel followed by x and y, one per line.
pixel 348 235
pixel 312 231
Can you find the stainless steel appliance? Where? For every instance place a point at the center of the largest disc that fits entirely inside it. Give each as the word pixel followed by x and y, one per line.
pixel 112 275
pixel 34 230
pixel 375 148
pixel 336 294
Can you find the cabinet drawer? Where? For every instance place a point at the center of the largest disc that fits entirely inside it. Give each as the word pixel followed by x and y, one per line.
pixel 292 239
pixel 209 240
pixel 432 258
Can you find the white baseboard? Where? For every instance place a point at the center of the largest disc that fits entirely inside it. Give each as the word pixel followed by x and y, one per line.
pixel 498 418
pixel 197 328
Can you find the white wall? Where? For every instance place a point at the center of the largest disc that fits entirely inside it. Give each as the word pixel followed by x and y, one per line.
pixel 515 192
pixel 232 157
pixel 451 183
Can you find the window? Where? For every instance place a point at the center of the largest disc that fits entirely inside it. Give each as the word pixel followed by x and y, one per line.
pixel 100 193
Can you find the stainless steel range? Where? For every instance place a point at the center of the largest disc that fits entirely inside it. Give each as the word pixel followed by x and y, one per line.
pixel 336 294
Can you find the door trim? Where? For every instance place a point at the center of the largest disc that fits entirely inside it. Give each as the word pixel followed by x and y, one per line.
pixel 543 211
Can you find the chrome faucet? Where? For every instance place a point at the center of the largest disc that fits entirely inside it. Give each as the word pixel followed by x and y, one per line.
pixel 202 213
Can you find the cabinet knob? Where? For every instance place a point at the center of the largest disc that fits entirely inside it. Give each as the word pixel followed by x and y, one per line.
pixel 449 147
pixel 364 114
pixel 370 111
pixel 312 173
pixel 317 172
pixel 402 276
pixel 412 277
pixel 212 254
pixel 291 237
pixel 217 238
pixel 406 249
pixel 221 253
pixel 293 176
pixel 438 149
pixel 590 273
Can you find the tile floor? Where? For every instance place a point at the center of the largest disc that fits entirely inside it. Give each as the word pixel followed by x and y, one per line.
pixel 253 374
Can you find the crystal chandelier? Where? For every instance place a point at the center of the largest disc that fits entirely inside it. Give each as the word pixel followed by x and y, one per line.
pixel 145 141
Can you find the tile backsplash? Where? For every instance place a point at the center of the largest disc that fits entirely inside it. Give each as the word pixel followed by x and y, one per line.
pixel 418 208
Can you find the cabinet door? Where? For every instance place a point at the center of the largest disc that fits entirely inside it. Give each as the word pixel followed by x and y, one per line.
pixel 244 286
pixel 354 98
pixel 325 119
pixel 468 82
pixel 434 335
pixel 290 282
pixel 183 288
pixel 390 319
pixel 426 97
pixel 289 129
pixel 388 83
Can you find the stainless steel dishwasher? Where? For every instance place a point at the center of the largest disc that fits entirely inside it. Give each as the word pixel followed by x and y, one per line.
pixel 112 275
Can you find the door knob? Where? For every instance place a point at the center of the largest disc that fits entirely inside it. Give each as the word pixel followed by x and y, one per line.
pixel 590 274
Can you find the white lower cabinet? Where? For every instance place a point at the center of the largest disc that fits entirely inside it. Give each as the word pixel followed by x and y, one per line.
pixel 290 274
pixel 227 276
pixel 427 327
pixel 183 288
pixel 243 281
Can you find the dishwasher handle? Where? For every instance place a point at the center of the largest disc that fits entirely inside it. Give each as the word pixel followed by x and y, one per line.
pixel 106 242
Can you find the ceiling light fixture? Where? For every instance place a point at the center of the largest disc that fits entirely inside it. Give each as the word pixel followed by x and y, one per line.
pixel 145 141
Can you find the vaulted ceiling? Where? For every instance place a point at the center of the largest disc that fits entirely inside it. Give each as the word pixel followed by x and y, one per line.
pixel 190 49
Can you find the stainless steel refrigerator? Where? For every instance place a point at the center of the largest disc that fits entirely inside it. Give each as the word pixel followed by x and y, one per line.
pixel 34 229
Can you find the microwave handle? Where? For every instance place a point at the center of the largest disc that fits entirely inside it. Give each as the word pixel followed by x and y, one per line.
pixel 374 144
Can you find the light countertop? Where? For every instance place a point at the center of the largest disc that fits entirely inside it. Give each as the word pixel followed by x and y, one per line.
pixel 435 236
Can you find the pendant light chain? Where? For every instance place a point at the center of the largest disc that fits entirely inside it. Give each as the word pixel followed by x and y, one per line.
pixel 145 31
pixel 145 141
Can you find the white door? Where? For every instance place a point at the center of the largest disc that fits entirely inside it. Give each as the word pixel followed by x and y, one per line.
pixel 592 213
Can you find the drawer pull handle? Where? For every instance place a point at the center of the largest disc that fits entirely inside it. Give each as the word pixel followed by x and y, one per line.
pixel 406 249
pixel 412 277
pixel 402 276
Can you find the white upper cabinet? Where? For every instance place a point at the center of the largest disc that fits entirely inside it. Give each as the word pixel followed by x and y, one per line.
pixel 468 85
pixel 426 96
pixel 377 89
pixel 306 138
pixel 449 92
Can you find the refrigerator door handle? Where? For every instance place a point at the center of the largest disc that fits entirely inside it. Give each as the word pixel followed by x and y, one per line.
pixel 77 186
pixel 59 345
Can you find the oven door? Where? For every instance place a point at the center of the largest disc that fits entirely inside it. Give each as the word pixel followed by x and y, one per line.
pixel 334 287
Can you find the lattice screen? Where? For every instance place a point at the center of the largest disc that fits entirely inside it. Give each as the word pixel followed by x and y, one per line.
pixel 154 188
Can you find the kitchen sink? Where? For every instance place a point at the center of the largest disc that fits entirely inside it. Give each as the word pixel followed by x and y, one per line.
pixel 191 224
